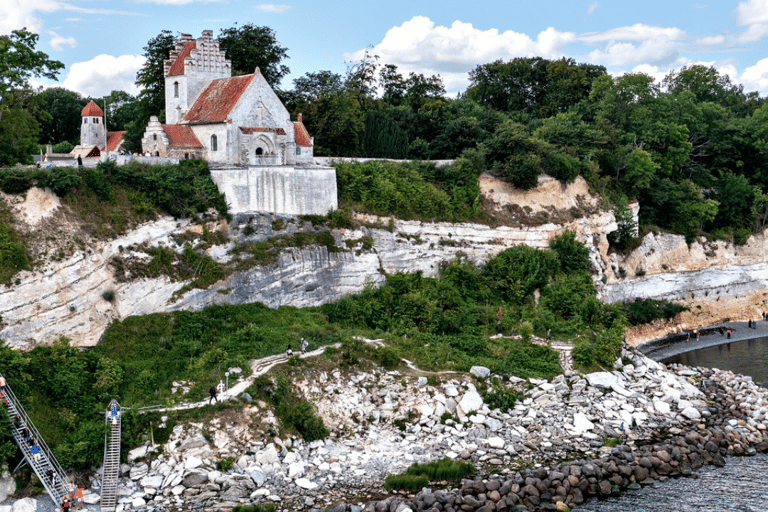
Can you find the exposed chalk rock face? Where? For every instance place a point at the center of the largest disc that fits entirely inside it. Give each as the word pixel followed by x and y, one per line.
pixel 66 298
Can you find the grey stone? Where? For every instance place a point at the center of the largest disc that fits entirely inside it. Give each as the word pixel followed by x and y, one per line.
pixel 480 371
pixel 194 478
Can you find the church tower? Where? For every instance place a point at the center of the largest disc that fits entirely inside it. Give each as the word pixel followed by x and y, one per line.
pixel 92 126
pixel 190 66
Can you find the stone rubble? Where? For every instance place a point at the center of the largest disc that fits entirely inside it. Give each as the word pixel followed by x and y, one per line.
pixel 686 418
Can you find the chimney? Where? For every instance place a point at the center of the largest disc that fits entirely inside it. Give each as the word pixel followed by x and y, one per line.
pixel 300 117
pixel 48 149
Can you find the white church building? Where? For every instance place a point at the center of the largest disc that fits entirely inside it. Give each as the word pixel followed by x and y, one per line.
pixel 220 118
pixel 264 161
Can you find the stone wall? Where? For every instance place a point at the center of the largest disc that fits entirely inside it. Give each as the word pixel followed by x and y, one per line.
pixel 284 190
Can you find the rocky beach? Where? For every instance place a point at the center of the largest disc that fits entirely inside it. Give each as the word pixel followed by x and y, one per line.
pixel 561 444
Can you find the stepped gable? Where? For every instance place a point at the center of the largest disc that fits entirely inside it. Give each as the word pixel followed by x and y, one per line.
pixel 114 140
pixel 174 65
pixel 181 136
pixel 91 109
pixel 301 135
pixel 217 100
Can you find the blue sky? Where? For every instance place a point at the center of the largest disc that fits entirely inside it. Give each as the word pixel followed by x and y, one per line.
pixel 101 41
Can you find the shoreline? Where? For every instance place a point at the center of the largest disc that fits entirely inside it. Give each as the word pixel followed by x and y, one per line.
pixel 674 344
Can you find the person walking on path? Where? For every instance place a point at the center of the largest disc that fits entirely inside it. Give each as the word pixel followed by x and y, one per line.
pixel 289 352
pixel 221 388
pixel 304 345
pixel 65 505
pixel 728 333
pixel 549 336
pixel 78 497
pixel 212 392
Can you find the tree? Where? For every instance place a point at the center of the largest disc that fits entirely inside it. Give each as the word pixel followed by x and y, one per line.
pixel 517 85
pixel 64 107
pixel 151 77
pixel 250 47
pixel 706 84
pixel 383 138
pixel 121 109
pixel 19 61
pixel 18 134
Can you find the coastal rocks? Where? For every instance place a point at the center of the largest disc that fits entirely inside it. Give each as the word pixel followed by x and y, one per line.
pixel 25 505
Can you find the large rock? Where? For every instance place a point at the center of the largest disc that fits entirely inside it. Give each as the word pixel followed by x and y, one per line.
pixel 471 401
pixel 480 371
pixel 7 486
pixel 691 413
pixel 136 453
pixel 296 469
pixel 193 442
pixel 257 475
pixel 495 442
pixel 25 505
pixel 91 498
pixel 602 380
pixel 195 477
pixel 661 407
pixel 268 455
pixel 581 423
pixel 305 483
pixel 139 471
pixel 155 481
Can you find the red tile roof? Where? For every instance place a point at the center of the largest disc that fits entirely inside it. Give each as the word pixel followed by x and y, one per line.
pixel 301 136
pixel 177 68
pixel 214 104
pixel 181 136
pixel 91 109
pixel 278 131
pixel 114 139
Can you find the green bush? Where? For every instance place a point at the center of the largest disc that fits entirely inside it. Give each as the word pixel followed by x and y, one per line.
pixel 269 507
pixel 643 311
pixel 572 254
pixel 388 357
pixel 442 469
pixel 405 481
pixel 225 464
pixel 499 397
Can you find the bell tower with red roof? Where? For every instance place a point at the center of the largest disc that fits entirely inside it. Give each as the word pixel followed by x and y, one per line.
pixel 92 125
pixel 190 66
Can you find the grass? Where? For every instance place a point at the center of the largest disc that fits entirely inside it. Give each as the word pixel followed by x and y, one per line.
pixel 419 475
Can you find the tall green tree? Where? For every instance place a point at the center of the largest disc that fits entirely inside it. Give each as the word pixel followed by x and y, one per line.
pixel 64 107
pixel 249 47
pixel 383 137
pixel 18 105
pixel 151 77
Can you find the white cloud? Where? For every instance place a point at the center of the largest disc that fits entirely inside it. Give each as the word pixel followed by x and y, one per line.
pixel 104 74
pixel 18 14
pixel 421 46
pixel 751 12
pixel 636 32
pixel 590 9
pixel 700 6
pixel 273 8
pixel 755 78
pixel 22 13
pixel 58 41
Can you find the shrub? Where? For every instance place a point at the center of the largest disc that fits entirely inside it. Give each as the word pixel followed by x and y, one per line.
pixel 405 481
pixel 499 397
pixel 108 295
pixel 643 311
pixel 639 271
pixel 294 360
pixel 388 357
pixel 572 254
pixel 225 464
pixel 442 469
pixel 526 330
pixel 269 507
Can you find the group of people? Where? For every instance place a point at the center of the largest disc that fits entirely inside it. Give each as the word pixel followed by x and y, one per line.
pixel 304 344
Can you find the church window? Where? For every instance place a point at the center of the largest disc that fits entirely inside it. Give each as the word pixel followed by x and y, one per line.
pixel 176 89
pixel 259 151
pixel 154 136
pixel 85 120
pixel 186 156
pixel 96 120
pixel 298 151
pixel 214 143
pixel 157 153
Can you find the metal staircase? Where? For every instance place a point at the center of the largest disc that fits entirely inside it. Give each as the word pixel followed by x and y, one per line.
pixel 46 467
pixel 111 469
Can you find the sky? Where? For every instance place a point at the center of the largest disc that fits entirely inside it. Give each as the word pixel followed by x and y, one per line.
pixel 101 41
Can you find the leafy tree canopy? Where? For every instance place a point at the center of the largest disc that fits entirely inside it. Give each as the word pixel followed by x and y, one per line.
pixel 249 47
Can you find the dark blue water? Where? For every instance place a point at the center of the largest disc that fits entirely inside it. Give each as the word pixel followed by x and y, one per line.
pixel 748 357
pixel 740 485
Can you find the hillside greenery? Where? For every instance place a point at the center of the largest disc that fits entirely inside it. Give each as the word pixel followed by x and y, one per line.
pixel 440 323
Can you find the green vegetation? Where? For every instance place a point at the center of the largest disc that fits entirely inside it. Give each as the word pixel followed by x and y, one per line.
pixel 419 475
pixel 269 507
pixel 643 311
pixel 294 412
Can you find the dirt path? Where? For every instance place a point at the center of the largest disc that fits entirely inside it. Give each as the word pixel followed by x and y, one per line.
pixel 263 365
